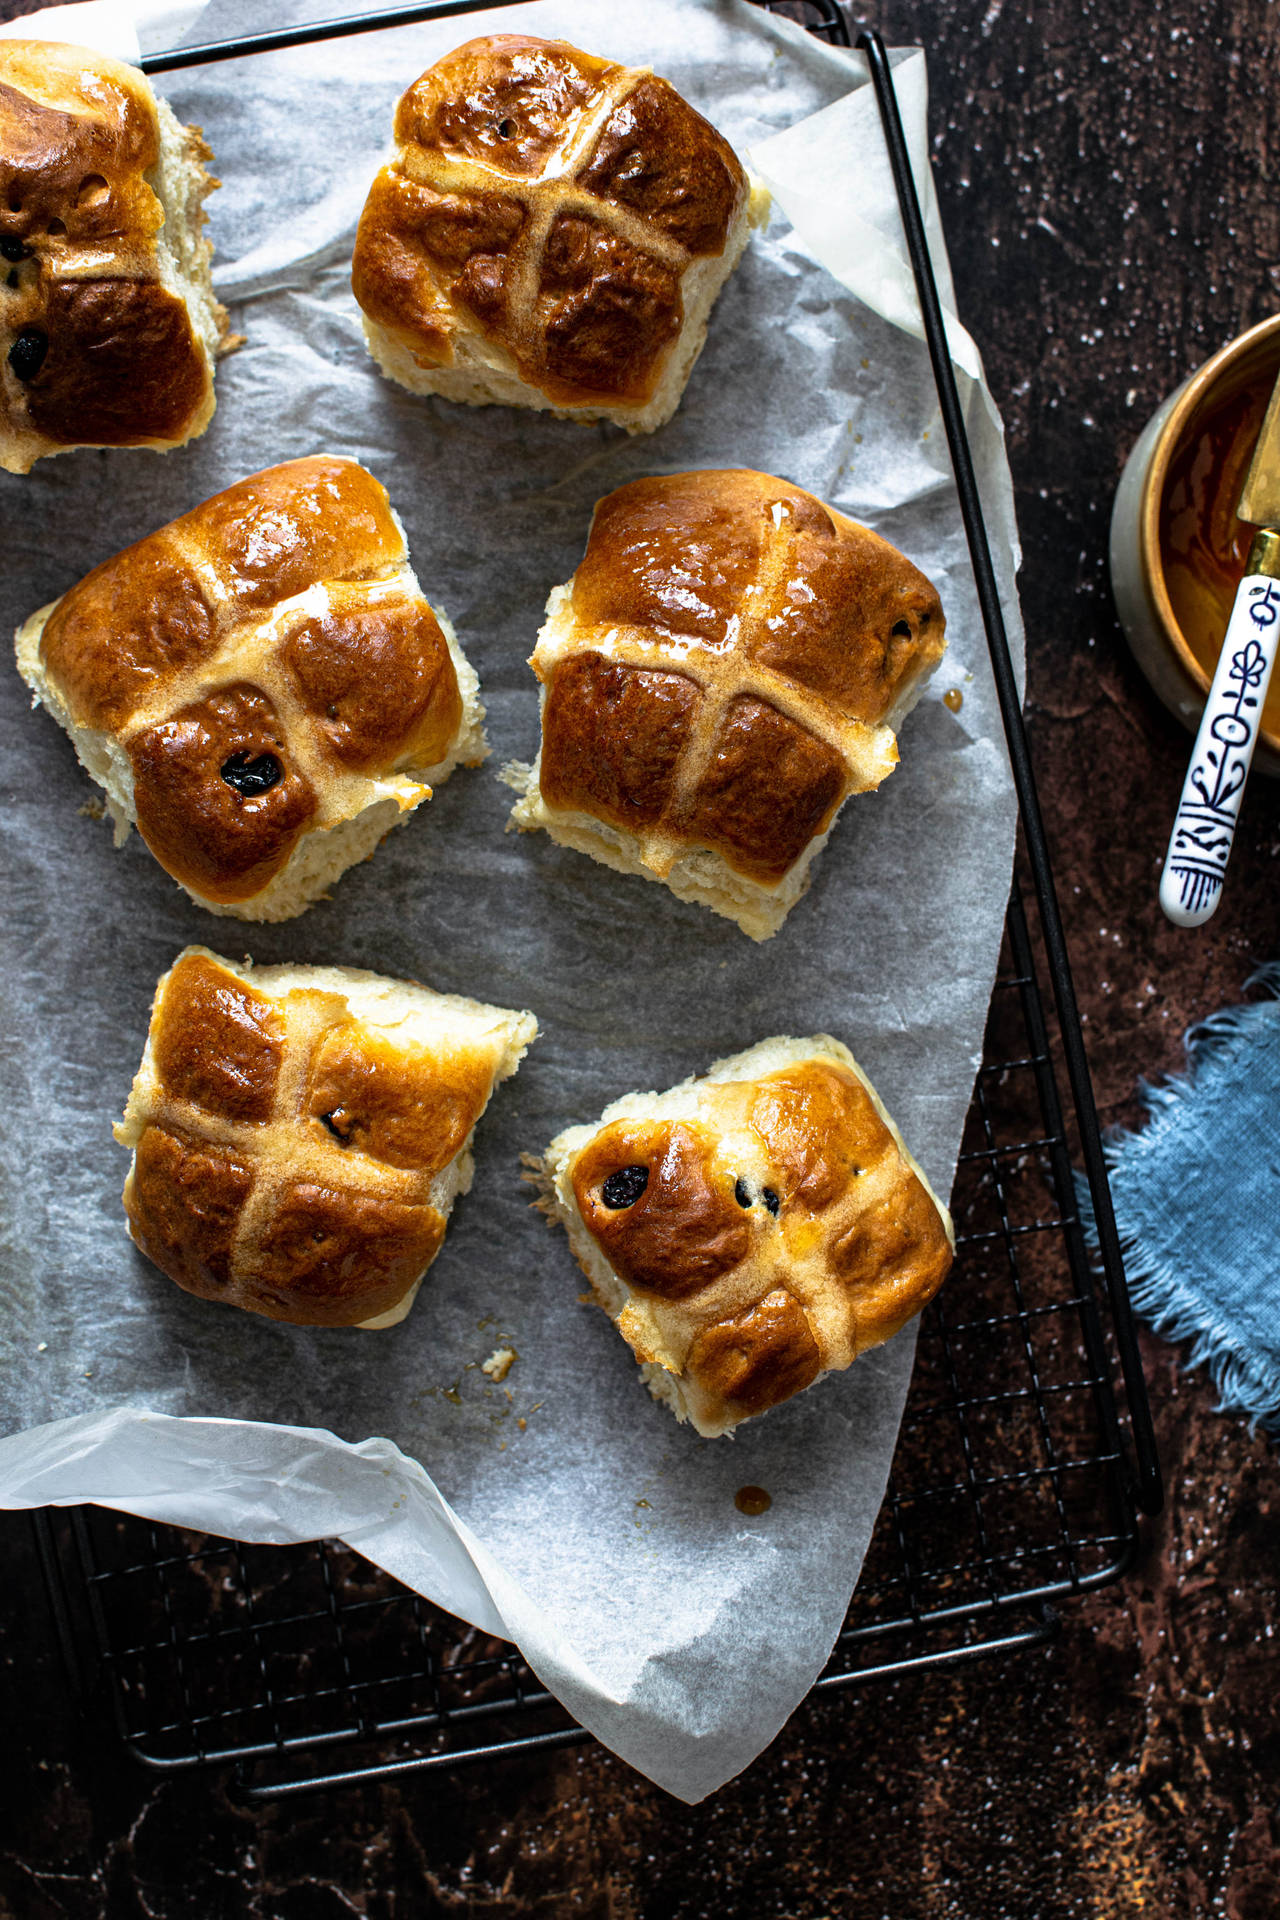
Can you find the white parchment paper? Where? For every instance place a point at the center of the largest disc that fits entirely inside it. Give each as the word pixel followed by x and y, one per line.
pixel 562 1508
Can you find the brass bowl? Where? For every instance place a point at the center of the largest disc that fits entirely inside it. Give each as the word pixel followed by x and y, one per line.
pixel 1177 548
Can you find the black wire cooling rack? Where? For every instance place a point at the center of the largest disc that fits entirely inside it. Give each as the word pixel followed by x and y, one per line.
pixel 1020 1471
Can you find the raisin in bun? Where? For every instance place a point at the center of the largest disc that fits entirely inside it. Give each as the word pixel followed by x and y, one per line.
pixel 300 1134
pixel 551 231
pixel 108 324
pixel 752 1230
pixel 261 686
pixel 729 663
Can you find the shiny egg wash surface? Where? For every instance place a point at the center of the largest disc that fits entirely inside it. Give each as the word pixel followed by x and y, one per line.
pixel 1203 545
pixel 768 1236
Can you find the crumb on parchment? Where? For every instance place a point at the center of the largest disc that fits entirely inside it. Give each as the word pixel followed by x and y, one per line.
pixel 499 1363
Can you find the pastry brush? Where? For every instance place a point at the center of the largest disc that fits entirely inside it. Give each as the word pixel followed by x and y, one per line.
pixel 1205 825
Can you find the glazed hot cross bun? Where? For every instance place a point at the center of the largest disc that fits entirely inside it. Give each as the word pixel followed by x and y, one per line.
pixel 300 1134
pixel 749 1231
pixel 108 324
pixel 729 663
pixel 551 232
pixel 261 686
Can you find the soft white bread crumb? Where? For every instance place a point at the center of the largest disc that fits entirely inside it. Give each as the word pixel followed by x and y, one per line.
pixel 181 182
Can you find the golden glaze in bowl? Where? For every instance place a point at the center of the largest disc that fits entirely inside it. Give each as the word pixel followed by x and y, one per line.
pixel 1177 548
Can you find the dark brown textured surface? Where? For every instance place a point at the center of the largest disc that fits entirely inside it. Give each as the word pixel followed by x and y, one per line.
pixel 766 790
pixel 675 170
pixel 504 98
pixel 1086 154
pixel 185 1203
pixel 333 1255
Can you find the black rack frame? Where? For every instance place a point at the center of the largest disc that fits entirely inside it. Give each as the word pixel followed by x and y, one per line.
pixel 1004 1497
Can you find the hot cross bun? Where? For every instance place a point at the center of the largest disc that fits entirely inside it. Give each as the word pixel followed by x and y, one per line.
pixel 108 324
pixel 750 1231
pixel 261 686
pixel 728 664
pixel 551 232
pixel 300 1134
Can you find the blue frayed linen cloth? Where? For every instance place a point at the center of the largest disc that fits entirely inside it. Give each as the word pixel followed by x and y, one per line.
pixel 1197 1200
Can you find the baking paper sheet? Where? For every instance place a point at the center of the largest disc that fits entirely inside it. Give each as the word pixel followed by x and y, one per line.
pixel 563 1507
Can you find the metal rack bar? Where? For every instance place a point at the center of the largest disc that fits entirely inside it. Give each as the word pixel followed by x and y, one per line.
pixel 306 35
pixel 1146 1488
pixel 1047 1628
pixel 421 1763
pixel 56 1591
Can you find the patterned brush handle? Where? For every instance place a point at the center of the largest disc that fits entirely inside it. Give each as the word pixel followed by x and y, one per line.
pixel 1205 826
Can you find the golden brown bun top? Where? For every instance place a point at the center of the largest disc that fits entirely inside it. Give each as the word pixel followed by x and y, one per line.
pixel 775 1236
pixel 248 720
pixel 553 201
pixel 95 350
pixel 736 648
pixel 506 99
pixel 286 1149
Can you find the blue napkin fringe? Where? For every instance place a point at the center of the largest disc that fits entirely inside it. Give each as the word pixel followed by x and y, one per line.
pixel 1245 1378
